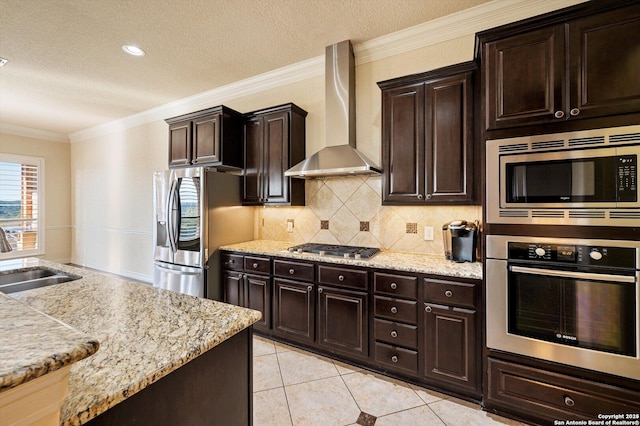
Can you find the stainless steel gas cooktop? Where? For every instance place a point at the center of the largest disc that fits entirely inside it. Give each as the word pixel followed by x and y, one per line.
pixel 348 252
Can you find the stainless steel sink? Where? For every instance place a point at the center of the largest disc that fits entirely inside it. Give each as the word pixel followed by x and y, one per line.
pixel 28 279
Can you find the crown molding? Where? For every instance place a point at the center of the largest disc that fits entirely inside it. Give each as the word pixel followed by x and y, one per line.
pixel 304 70
pixel 33 133
pixel 464 23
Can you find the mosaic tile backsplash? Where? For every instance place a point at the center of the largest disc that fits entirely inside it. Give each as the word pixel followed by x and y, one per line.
pixel 345 204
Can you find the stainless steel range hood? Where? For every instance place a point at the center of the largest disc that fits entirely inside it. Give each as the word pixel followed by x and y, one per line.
pixel 340 156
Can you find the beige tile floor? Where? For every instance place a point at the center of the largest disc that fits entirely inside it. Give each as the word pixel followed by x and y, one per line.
pixel 295 387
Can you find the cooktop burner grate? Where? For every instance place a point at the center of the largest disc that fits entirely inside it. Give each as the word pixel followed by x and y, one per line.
pixel 352 252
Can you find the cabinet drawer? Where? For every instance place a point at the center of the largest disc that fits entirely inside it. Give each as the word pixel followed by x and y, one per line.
pixel 396 309
pixel 397 358
pixel 396 333
pixel 259 265
pixel 396 285
pixel 450 293
pixel 297 270
pixel 549 396
pixel 232 261
pixel 342 277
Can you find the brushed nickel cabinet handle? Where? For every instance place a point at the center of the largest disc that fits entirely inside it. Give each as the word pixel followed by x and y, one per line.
pixel 394 286
pixel 292 271
pixel 394 310
pixel 320 290
pixel 420 196
pixel 429 196
pixel 309 288
pixel 255 266
pixel 340 277
pixel 559 114
pixel 394 333
pixel 569 402
pixel 394 358
pixel 428 309
pixel 574 112
pixel 448 293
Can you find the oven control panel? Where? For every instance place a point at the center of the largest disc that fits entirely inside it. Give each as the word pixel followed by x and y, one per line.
pixel 623 257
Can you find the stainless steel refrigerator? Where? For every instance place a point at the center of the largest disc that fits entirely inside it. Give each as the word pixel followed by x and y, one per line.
pixel 195 212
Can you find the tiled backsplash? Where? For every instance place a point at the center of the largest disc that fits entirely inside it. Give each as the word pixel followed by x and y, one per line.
pixel 355 203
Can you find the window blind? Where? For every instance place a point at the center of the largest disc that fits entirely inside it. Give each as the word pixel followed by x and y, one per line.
pixel 20 197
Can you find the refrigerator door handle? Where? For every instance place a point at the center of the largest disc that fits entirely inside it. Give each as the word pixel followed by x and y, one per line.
pixel 171 217
pixel 182 270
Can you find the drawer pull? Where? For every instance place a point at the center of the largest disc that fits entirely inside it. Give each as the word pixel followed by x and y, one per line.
pixel 394 286
pixel 394 310
pixel 394 333
pixel 427 309
pixel 309 288
pixel 340 277
pixel 569 402
pixel 292 271
pixel 255 266
pixel 394 358
pixel 448 293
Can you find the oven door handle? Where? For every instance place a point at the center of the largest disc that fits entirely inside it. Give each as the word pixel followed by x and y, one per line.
pixel 576 275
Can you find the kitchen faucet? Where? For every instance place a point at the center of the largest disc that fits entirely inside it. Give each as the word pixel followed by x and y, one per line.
pixel 5 246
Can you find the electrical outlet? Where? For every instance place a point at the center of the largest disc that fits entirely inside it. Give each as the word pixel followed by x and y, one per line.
pixel 289 225
pixel 428 233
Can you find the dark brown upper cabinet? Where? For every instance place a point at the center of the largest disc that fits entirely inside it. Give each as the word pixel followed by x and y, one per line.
pixel 428 137
pixel 274 142
pixel 211 137
pixel 536 73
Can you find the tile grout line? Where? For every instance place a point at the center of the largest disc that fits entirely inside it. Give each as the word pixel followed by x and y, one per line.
pixel 284 388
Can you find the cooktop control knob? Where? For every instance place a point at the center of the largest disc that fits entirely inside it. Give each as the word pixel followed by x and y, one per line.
pixel 540 251
pixel 595 255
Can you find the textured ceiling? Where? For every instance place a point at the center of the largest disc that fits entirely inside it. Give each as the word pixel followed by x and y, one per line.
pixel 67 72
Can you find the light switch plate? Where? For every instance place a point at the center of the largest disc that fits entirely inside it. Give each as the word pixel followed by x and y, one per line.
pixel 289 225
pixel 428 233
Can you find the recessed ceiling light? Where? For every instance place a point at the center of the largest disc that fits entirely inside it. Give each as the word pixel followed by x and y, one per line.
pixel 133 50
pixel 3 62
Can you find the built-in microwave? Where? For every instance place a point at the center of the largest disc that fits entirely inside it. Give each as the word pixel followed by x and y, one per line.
pixel 577 178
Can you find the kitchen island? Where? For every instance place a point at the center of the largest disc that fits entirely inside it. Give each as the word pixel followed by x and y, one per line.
pixel 164 357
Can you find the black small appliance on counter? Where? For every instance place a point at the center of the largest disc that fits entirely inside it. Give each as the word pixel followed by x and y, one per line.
pixel 459 238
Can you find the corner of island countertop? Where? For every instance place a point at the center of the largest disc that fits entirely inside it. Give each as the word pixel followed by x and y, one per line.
pixel 33 344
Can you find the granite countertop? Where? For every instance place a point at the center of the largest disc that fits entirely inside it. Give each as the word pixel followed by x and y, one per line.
pixel 386 259
pixel 144 333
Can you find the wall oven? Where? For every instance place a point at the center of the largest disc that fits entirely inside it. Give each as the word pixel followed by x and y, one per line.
pixel 577 178
pixel 571 301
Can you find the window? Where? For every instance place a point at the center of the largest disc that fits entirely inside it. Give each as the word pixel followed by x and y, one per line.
pixel 22 204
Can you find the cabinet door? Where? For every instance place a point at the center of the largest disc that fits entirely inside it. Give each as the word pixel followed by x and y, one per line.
pixel 524 78
pixel 180 144
pixel 258 297
pixel 206 139
pixel 403 144
pixel 604 52
pixel 276 158
pixel 233 283
pixel 449 139
pixel 253 138
pixel 294 310
pixel 343 321
pixel 450 345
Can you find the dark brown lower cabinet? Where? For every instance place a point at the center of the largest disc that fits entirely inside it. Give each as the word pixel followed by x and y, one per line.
pixel 343 321
pixel 294 310
pixel 547 396
pixel 250 291
pixel 450 345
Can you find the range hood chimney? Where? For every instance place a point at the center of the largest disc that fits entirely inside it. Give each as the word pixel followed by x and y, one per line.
pixel 340 156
